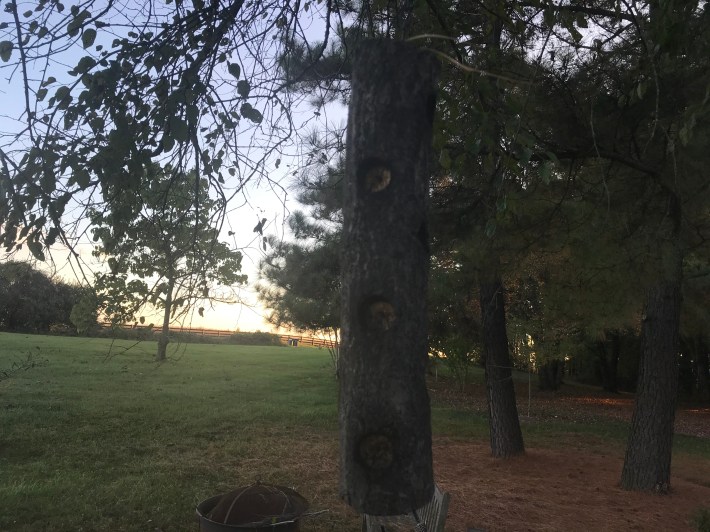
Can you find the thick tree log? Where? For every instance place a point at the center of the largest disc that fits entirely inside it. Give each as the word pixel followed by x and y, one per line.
pixel 647 465
pixel 385 424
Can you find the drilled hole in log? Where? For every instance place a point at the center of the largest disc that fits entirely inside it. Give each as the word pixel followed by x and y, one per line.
pixel 376 451
pixel 375 175
pixel 377 314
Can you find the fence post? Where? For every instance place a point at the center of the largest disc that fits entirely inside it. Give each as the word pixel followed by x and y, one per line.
pixel 385 419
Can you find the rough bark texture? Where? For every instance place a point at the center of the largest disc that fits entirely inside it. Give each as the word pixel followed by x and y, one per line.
pixel 506 436
pixel 386 464
pixel 647 465
pixel 702 365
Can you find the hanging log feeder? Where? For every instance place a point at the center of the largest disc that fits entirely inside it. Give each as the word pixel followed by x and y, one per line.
pixel 385 418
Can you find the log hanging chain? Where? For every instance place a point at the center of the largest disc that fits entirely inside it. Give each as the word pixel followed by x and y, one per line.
pixel 385 418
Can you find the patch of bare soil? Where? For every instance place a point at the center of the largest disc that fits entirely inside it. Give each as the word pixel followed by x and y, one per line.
pixel 560 490
pixel 572 488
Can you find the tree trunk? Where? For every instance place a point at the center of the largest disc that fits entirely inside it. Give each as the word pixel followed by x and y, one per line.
pixel 334 350
pixel 702 370
pixel 164 339
pixel 506 436
pixel 647 465
pixel 385 419
pixel 612 364
pixel 550 375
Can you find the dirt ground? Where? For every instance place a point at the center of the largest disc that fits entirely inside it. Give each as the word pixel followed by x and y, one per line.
pixel 567 490
pixel 566 486
pixel 573 488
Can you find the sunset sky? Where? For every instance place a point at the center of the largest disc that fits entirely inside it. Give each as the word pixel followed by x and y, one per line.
pixel 269 197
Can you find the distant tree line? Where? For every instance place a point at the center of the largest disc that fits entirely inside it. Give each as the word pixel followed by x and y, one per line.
pixel 150 333
pixel 32 301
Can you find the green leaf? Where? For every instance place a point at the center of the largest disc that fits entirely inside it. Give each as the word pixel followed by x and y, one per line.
pixel 233 68
pixel 51 236
pixel 73 27
pixel 243 88
pixel 82 178
pixel 575 34
pixel 178 128
pixel 97 124
pixel 192 113
pixel 49 81
pixel 6 50
pixel 41 93
pixel 85 64
pixel 168 143
pixel 36 249
pixel 250 113
pixel 88 37
pixel 62 92
pixel 77 22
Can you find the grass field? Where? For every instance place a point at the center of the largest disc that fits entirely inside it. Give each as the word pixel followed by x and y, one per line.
pixel 98 437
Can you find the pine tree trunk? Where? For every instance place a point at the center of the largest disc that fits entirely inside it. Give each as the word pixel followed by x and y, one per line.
pixel 505 433
pixel 647 465
pixel 612 365
pixel 702 367
pixel 550 375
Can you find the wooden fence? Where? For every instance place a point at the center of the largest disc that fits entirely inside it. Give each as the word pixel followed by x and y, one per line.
pixel 286 339
pixel 307 341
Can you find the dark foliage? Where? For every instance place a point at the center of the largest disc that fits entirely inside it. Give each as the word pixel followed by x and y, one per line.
pixel 31 301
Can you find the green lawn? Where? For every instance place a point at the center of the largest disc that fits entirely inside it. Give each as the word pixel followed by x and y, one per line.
pixel 101 438
pixel 97 436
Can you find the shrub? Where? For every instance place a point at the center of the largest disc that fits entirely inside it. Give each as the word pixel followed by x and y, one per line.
pixel 254 338
pixel 62 329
